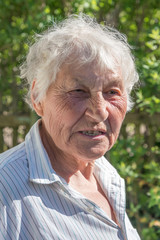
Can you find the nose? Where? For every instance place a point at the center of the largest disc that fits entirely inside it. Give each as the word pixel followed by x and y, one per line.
pixel 97 109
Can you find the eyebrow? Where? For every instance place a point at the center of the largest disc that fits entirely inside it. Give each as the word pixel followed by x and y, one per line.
pixel 116 82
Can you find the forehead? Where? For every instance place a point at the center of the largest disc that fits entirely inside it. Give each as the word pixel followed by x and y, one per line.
pixel 89 74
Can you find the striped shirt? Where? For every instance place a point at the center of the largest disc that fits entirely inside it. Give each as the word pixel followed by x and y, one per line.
pixel 36 203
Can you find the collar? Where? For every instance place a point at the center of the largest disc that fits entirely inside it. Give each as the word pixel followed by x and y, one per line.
pixel 113 186
pixel 40 169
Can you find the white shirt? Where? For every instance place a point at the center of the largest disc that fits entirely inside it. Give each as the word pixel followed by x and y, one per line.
pixel 36 203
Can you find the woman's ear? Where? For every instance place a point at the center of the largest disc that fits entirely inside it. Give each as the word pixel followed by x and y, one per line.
pixel 37 106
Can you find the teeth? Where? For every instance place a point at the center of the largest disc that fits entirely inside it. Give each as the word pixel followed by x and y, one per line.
pixel 92 133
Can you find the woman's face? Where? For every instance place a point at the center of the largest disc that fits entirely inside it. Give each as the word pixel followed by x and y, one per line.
pixel 83 111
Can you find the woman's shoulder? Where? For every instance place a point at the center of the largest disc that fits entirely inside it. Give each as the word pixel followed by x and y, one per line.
pixel 12 155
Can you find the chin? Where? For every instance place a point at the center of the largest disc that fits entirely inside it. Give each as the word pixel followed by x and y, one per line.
pixel 93 154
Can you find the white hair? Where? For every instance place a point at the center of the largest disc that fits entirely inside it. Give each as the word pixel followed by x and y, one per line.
pixel 79 39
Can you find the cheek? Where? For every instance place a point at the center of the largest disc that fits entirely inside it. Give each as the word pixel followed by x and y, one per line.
pixel 76 103
pixel 117 115
pixel 60 115
pixel 74 109
pixel 52 116
pixel 121 105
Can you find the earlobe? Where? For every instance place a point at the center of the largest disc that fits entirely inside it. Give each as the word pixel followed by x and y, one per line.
pixel 37 106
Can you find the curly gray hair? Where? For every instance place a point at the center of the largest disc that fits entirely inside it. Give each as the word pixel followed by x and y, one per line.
pixel 79 39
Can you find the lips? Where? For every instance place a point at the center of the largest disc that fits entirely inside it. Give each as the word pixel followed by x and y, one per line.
pixel 92 133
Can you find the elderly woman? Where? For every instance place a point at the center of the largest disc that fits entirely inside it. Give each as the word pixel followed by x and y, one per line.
pixel 57 184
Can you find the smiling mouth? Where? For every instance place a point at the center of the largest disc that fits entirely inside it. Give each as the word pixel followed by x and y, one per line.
pixel 92 133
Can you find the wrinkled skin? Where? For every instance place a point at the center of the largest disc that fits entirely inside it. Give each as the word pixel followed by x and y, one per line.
pixel 81 100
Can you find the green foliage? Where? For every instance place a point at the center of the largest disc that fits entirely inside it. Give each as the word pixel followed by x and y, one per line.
pixel 136 154
pixel 137 164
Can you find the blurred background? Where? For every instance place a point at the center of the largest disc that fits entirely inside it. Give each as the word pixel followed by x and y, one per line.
pixel 136 154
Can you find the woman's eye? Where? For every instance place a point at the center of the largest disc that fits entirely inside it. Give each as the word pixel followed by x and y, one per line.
pixel 79 90
pixel 113 92
pixel 80 93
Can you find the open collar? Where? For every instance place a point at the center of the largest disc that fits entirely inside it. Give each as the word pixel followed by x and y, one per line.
pixel 113 186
